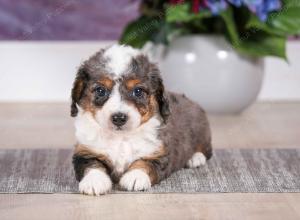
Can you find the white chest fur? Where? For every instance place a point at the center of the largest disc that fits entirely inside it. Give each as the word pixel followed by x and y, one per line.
pixel 121 147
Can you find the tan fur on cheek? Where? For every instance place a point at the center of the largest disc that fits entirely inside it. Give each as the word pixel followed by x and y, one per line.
pixel 87 104
pixel 149 111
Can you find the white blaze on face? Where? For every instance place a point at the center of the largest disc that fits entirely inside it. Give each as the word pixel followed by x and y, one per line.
pixel 119 58
pixel 116 104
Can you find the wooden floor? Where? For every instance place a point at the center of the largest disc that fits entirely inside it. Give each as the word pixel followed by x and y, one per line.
pixel 264 125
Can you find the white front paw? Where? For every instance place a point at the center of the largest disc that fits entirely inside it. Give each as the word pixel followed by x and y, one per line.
pixel 197 160
pixel 135 180
pixel 95 182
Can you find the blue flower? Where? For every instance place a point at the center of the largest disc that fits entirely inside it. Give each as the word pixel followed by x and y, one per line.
pixel 260 7
pixel 236 3
pixel 264 8
pixel 215 6
pixel 253 4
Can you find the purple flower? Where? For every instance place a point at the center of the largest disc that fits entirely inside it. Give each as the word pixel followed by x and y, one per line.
pixel 236 3
pixel 268 6
pixel 253 4
pixel 260 7
pixel 215 6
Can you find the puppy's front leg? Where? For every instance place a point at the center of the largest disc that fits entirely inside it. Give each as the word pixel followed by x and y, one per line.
pixel 95 182
pixel 91 170
pixel 144 173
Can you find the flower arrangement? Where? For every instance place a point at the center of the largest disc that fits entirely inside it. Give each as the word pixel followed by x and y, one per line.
pixel 253 27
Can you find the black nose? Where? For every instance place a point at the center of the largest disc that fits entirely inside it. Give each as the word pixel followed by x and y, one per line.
pixel 119 119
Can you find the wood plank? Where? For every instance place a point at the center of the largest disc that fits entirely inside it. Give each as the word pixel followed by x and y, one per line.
pixel 264 125
pixel 149 206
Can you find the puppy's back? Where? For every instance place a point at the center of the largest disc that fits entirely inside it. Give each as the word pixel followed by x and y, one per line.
pixel 187 131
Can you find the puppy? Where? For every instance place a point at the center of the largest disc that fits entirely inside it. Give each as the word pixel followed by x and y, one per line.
pixel 130 131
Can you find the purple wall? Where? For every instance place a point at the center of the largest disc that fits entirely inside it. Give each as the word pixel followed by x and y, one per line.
pixel 65 19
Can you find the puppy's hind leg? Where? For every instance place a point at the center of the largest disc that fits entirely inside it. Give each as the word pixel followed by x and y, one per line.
pixel 199 158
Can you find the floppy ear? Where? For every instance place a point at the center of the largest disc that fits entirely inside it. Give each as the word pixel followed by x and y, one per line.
pixel 160 95
pixel 79 86
pixel 162 102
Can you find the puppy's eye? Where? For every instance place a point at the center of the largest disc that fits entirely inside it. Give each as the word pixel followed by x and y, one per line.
pixel 138 92
pixel 101 91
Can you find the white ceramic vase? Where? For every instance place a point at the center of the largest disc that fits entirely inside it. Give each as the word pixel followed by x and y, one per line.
pixel 209 71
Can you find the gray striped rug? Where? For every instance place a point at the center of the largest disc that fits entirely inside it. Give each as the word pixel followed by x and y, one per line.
pixel 50 171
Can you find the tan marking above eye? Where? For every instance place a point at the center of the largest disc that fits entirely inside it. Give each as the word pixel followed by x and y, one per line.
pixel 107 82
pixel 131 83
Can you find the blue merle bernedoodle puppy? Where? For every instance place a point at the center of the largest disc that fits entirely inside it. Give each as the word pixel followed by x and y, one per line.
pixel 129 130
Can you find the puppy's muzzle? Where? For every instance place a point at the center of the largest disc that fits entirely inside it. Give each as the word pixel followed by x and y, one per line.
pixel 119 119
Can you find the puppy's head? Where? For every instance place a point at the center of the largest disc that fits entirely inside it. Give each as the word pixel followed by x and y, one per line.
pixel 121 88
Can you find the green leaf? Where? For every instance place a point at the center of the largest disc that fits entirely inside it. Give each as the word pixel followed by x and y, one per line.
pixel 255 23
pixel 256 42
pixel 231 28
pixel 161 35
pixel 291 3
pixel 263 44
pixel 287 20
pixel 183 13
pixel 138 32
